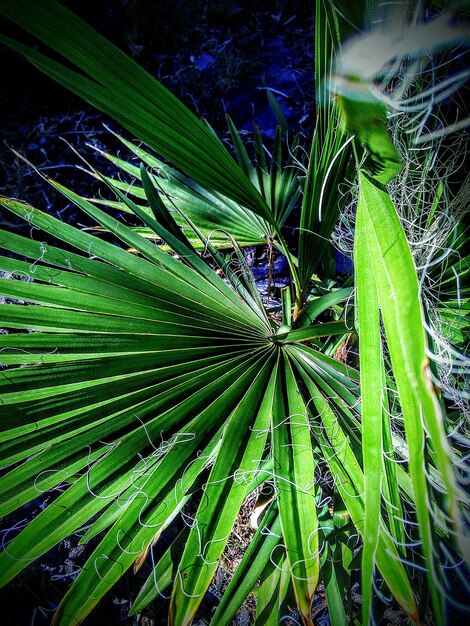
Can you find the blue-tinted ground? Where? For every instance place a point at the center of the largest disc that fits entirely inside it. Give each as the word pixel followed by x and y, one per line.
pixel 218 57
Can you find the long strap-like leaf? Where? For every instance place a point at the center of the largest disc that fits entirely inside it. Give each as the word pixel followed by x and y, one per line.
pixel 398 291
pixel 370 353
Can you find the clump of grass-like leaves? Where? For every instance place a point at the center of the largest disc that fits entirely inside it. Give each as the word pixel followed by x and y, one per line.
pixel 157 385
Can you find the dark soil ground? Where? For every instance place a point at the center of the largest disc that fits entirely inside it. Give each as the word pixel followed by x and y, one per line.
pixel 218 57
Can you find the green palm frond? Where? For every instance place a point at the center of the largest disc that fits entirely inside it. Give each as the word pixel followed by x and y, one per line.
pixel 159 357
pixel 213 213
pixel 154 386
pixel 174 385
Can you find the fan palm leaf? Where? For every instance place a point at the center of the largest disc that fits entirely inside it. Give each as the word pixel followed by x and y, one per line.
pixel 142 371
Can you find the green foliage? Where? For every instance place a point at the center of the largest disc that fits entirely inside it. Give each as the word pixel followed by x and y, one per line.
pixel 158 385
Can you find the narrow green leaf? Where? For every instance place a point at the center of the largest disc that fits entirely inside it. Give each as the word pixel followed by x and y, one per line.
pixel 349 480
pixel 398 291
pixel 242 155
pixel 268 594
pixel 392 481
pixel 370 355
pixel 294 479
pixel 286 297
pixel 312 332
pixel 224 493
pixel 159 209
pixel 278 112
pixel 333 591
pixel 162 575
pixel 316 306
pixel 255 559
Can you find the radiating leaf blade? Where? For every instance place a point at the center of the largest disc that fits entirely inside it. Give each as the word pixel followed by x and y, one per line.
pixel 294 479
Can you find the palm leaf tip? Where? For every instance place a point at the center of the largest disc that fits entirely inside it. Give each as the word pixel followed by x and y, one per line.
pixel 364 115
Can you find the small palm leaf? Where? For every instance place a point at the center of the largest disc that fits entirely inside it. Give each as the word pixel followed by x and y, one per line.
pixel 213 213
